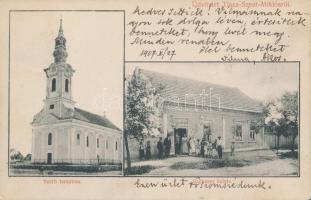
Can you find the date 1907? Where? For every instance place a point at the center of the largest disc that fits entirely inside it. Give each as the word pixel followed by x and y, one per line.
pixel 163 53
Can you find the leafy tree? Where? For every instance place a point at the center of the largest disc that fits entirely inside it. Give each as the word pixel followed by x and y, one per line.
pixel 16 155
pixel 142 109
pixel 289 110
pixel 281 116
pixel 27 157
pixel 271 120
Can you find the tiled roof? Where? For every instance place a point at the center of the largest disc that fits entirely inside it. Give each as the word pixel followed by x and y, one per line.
pixel 175 88
pixel 93 118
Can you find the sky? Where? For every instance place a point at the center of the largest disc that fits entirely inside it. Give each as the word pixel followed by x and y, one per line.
pixel 260 81
pixel 95 51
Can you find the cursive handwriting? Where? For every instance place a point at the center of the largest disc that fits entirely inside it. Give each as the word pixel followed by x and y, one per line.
pixel 199 183
pixel 225 32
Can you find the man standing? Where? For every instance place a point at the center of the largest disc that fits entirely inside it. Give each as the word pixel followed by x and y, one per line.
pixel 148 151
pixel 160 148
pixel 167 146
pixel 219 147
pixel 202 144
pixel 141 150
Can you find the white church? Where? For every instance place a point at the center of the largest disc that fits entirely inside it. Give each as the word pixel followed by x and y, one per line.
pixel 63 133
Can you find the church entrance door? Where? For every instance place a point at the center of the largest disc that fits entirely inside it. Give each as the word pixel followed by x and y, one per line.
pixel 49 158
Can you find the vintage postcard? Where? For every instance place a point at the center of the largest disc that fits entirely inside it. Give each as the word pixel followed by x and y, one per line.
pixel 190 99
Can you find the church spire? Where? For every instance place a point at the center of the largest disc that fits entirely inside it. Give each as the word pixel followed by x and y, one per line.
pixel 59 80
pixel 61 32
pixel 60 53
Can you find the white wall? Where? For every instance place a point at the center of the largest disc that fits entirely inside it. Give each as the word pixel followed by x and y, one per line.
pixel 66 148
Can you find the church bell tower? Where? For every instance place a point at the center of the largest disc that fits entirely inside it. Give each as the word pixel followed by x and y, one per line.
pixel 59 74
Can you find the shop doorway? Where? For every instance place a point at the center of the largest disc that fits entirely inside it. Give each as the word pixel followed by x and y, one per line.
pixel 180 139
pixel 207 133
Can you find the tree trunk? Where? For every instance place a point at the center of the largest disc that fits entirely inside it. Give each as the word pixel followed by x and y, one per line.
pixel 128 157
pixel 277 143
pixel 293 142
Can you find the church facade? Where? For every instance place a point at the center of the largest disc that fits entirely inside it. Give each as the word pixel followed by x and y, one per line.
pixel 63 133
pixel 202 110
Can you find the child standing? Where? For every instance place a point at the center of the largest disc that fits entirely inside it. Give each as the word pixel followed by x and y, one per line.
pixel 197 147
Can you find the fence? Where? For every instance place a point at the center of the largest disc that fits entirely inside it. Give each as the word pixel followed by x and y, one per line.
pixel 284 142
pixel 79 161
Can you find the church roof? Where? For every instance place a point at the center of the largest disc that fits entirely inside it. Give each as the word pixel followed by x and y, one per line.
pixel 78 114
pixel 175 88
pixel 93 118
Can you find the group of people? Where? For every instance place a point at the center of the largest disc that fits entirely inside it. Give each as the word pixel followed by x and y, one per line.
pixel 205 148
pixel 164 149
pixel 141 149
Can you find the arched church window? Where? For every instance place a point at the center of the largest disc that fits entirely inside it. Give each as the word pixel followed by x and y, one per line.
pixel 78 139
pixel 107 144
pixel 50 139
pixel 116 145
pixel 66 85
pixel 53 84
pixel 97 142
pixel 87 141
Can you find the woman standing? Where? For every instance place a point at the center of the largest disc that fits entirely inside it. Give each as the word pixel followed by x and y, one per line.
pixel 192 146
pixel 214 146
pixel 202 144
pixel 209 149
pixel 189 146
pixel 160 148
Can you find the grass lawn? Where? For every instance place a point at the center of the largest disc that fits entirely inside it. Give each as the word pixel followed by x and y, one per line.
pixel 138 170
pixel 263 162
pixel 213 163
pixel 289 154
pixel 65 167
pixel 239 160
pixel 218 163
